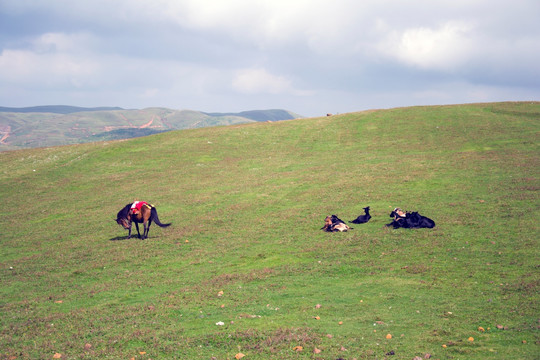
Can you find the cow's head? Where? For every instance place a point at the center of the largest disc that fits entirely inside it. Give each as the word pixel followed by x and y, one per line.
pixel 397 213
pixel 334 219
pixel 400 212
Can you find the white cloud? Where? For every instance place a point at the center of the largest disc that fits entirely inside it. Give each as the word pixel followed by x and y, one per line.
pixel 52 59
pixel 308 53
pixel 26 67
pixel 446 47
pixel 63 43
pixel 260 81
pixel 256 81
pixel 265 24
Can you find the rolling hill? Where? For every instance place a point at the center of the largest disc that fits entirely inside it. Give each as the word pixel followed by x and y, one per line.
pixel 55 109
pixel 43 126
pixel 244 271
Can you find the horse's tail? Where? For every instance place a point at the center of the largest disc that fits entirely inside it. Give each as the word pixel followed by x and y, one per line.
pixel 155 218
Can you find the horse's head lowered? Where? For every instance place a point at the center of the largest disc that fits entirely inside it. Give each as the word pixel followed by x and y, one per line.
pixel 146 216
pixel 125 223
pixel 123 218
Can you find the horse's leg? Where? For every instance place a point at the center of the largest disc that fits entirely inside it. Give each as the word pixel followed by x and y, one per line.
pixel 147 220
pixel 137 225
pixel 145 234
pixel 129 231
pixel 144 230
pixel 147 229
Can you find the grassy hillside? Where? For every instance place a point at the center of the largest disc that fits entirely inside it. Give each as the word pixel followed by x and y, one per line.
pixel 63 125
pixel 261 115
pixel 244 269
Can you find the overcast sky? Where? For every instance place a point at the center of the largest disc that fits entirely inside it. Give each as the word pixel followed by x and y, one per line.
pixel 311 57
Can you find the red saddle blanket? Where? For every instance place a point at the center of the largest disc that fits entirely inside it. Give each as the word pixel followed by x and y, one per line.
pixel 137 205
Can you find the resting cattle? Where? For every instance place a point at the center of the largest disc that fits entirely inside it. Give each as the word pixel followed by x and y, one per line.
pixel 362 219
pixel 333 224
pixel 409 220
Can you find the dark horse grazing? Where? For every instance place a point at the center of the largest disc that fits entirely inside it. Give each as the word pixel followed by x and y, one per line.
pixel 145 216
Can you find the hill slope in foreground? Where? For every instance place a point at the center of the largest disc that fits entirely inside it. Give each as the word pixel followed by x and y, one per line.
pixel 245 268
pixel 54 125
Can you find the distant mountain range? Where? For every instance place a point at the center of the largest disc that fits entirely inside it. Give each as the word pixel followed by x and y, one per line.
pixel 55 109
pixel 52 125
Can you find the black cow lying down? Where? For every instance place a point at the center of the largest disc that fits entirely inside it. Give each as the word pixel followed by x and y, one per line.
pixel 333 224
pixel 409 220
pixel 362 219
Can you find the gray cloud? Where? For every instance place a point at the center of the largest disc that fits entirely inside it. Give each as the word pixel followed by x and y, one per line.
pixel 310 57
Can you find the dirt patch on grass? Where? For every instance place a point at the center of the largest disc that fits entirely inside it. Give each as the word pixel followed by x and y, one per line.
pixel 416 268
pixel 227 279
pixel 524 287
pixel 271 342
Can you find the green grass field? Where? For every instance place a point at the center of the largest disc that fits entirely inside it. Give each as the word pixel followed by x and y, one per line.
pixel 245 268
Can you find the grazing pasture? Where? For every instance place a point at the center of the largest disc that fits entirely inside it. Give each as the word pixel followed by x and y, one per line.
pixel 245 268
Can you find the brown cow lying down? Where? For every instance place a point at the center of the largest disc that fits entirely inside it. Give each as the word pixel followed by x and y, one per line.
pixel 333 224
